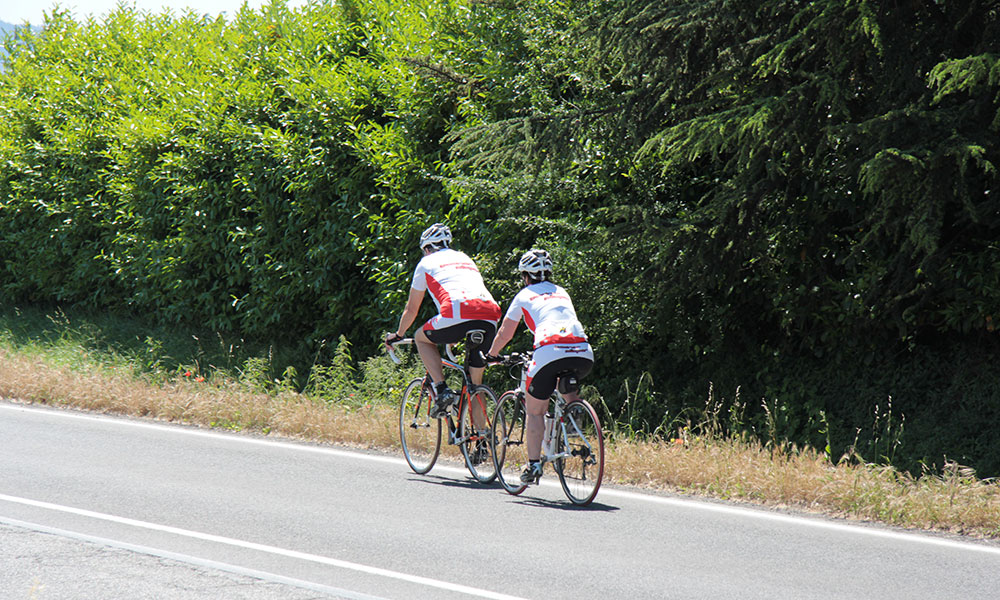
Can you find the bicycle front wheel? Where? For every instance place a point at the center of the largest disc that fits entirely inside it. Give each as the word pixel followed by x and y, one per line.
pixel 581 472
pixel 474 432
pixel 419 434
pixel 510 453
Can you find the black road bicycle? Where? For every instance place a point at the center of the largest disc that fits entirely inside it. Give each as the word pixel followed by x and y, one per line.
pixel 420 434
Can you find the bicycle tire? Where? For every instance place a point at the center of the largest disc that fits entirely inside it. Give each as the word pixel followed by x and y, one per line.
pixel 419 434
pixel 582 472
pixel 481 403
pixel 510 452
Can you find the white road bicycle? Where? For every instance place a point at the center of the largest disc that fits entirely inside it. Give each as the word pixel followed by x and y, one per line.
pixel 573 442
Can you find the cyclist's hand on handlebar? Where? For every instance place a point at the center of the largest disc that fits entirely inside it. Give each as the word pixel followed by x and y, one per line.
pixel 516 358
pixel 392 338
pixel 492 359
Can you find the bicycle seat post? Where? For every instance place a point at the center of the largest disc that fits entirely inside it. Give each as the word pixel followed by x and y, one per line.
pixel 559 403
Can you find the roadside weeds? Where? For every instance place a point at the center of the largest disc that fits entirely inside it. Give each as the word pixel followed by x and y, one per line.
pixel 739 470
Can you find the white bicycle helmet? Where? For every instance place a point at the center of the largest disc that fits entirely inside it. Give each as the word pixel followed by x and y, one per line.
pixel 536 263
pixel 437 234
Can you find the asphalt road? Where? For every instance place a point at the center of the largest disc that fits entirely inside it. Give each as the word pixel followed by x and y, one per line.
pixel 94 507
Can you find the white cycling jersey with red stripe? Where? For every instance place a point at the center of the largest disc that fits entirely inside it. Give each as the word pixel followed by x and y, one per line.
pixel 456 286
pixel 549 314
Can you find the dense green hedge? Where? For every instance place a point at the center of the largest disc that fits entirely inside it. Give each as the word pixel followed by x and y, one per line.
pixel 792 204
pixel 226 173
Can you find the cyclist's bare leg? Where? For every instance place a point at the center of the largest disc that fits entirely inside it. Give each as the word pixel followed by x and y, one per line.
pixel 479 411
pixel 476 374
pixel 430 355
pixel 534 428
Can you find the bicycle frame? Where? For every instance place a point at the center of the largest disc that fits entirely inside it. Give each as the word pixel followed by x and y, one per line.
pixel 558 403
pixel 558 416
pixel 451 362
pixel 464 423
pixel 572 440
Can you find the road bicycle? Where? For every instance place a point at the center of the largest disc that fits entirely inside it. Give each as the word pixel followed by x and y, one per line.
pixel 420 434
pixel 573 442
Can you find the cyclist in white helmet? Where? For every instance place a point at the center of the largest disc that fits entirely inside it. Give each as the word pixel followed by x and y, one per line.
pixel 463 304
pixel 560 346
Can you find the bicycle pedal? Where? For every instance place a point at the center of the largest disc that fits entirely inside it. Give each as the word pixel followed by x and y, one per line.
pixel 531 476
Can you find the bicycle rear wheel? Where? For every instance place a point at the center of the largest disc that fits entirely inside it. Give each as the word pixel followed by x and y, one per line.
pixel 419 434
pixel 474 431
pixel 582 471
pixel 510 453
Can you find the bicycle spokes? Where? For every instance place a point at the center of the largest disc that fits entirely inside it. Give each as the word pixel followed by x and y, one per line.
pixel 419 435
pixel 510 454
pixel 582 447
pixel 474 433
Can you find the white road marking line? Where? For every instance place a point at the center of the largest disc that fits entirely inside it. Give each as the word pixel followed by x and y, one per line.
pixel 208 537
pixel 694 504
pixel 818 522
pixel 192 560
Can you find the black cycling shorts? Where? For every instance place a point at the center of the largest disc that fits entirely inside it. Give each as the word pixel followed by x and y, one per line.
pixel 456 333
pixel 544 382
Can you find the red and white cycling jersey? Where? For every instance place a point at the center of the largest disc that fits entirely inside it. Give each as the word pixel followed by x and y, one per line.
pixel 549 314
pixel 456 287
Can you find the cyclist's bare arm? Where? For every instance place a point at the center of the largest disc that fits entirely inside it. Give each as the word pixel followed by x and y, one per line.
pixel 409 315
pixel 504 335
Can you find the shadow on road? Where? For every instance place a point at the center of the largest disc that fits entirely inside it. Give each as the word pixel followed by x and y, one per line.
pixel 468 483
pixel 566 505
pixel 472 484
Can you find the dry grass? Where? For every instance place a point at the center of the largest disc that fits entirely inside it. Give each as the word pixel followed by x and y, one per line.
pixel 226 406
pixel 740 470
pixel 954 501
